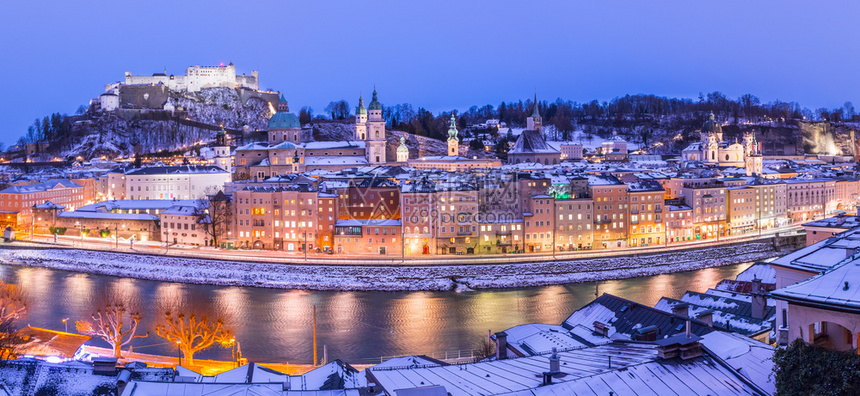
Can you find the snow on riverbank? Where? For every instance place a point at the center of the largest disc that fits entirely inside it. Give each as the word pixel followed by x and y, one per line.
pixel 323 277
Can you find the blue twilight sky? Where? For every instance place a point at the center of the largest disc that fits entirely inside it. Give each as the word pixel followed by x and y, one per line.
pixel 439 54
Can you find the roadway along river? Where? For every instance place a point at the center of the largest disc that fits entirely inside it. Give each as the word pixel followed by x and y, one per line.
pixel 275 325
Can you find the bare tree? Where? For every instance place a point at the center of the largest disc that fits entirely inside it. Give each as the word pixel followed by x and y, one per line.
pixel 192 332
pixel 12 307
pixel 484 349
pixel 214 214
pixel 114 323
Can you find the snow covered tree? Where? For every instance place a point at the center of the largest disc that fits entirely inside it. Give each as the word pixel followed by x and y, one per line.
pixel 114 323
pixel 192 332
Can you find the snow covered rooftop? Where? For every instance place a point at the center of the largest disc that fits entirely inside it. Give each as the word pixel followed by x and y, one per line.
pixel 328 379
pixel 844 222
pixel 761 271
pixel 536 338
pixel 345 160
pixel 837 288
pixel 107 216
pixel 623 317
pixel 175 169
pixel 751 358
pixel 180 210
pixel 40 187
pixel 728 314
pixel 531 141
pixel 49 205
pixel 136 204
pixel 822 255
pixel 334 144
pixel 148 388
pixel 583 371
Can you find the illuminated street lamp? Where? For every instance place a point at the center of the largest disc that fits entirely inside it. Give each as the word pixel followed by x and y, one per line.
pixel 66 324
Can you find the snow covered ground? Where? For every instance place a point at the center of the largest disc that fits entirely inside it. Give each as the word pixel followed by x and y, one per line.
pixel 330 277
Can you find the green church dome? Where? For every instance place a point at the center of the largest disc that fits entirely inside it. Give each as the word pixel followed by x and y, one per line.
pixel 711 124
pixel 374 103
pixel 284 121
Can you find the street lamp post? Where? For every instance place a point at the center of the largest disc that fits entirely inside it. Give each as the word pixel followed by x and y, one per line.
pixel 66 324
pixel 178 353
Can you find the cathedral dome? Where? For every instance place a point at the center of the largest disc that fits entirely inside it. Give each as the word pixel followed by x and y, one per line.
pixel 402 148
pixel 711 125
pixel 284 121
pixel 374 102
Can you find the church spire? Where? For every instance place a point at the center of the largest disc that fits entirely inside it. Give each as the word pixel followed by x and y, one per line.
pixel 374 102
pixel 452 128
pixel 361 109
pixel 535 112
pixel 453 142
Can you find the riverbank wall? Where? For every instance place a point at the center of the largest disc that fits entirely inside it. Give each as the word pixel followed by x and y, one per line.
pixel 460 276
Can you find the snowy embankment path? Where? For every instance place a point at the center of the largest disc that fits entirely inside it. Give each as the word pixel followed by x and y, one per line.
pixel 350 277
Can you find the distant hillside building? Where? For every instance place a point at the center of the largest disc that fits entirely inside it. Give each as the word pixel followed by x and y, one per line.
pixel 713 150
pixel 453 162
pixel 198 77
pixel 531 147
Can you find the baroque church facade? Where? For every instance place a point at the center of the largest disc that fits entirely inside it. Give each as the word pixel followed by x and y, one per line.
pixel 370 128
pixel 713 150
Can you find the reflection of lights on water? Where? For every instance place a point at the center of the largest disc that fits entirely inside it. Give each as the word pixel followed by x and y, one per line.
pixel 229 303
pixel 344 310
pixel 81 290
pixel 125 290
pixel 170 294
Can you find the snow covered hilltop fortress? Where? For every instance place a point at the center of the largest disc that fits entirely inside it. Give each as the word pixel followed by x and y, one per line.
pixel 196 78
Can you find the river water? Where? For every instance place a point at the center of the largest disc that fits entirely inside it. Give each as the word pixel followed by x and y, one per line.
pixel 275 325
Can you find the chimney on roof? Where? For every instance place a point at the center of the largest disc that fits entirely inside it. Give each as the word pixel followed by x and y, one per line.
pixel 759 301
pixel 687 326
pixel 707 317
pixel 554 361
pixel 840 219
pixel 501 345
pixel 681 309
pixel 600 328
